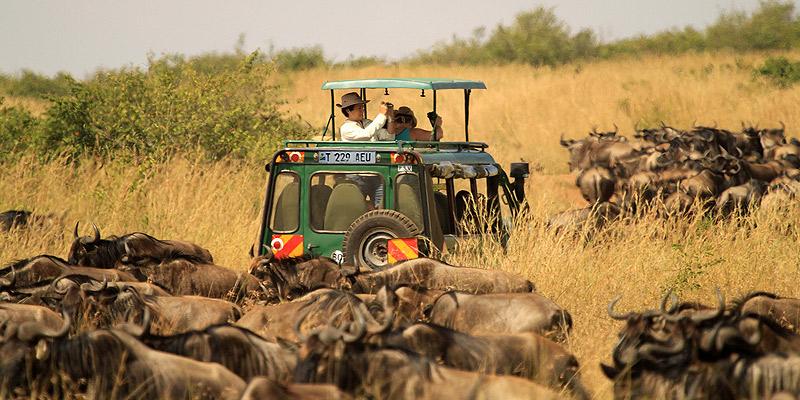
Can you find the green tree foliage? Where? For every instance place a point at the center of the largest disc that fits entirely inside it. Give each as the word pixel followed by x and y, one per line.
pixel 779 71
pixel 298 59
pixel 538 37
pixel 170 107
pixel 16 125
pixel 30 84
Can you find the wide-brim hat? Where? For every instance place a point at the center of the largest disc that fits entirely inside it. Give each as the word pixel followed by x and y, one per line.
pixel 351 99
pixel 403 110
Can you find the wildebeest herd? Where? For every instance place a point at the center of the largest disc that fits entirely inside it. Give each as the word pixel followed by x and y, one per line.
pixel 133 316
pixel 669 170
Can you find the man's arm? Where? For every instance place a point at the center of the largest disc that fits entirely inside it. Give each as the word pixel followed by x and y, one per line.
pixel 350 131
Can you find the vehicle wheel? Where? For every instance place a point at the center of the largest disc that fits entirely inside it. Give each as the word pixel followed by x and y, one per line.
pixel 365 243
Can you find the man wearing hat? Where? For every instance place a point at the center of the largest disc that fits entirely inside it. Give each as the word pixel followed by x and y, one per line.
pixel 358 128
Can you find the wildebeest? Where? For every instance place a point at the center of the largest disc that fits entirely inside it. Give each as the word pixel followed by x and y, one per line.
pixel 19 313
pixel 109 305
pixel 43 269
pixel 695 352
pixel 317 308
pixel 290 278
pixel 238 349
pixel 433 274
pixel 784 311
pixel 13 219
pixel 527 355
pixel 191 276
pixel 339 356
pixel 98 358
pixel 261 388
pixel 501 313
pixel 587 219
pixel 94 251
pixel 596 184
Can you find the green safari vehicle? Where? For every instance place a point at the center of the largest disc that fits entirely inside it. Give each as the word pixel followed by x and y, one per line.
pixel 370 204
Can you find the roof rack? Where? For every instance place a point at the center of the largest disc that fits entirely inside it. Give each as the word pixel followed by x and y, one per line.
pixel 400 145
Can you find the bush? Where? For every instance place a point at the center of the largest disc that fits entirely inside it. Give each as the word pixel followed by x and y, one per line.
pixel 31 84
pixel 779 71
pixel 16 127
pixel 299 59
pixel 172 107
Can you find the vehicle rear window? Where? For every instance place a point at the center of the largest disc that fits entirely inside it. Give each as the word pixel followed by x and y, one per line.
pixel 336 199
pixel 286 203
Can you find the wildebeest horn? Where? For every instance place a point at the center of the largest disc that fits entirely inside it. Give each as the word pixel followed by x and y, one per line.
pixel 96 233
pixel 88 287
pixel 9 282
pixel 783 126
pixel 306 309
pixel 565 142
pixel 252 251
pixel 31 330
pixel 359 321
pixel 55 282
pixel 729 333
pixel 699 317
pixel 131 328
pixel 616 128
pixel 75 232
pixel 649 350
pixel 668 296
pixel 389 304
pixel 614 315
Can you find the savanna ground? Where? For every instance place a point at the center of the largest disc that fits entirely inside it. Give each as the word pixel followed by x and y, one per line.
pixel 521 116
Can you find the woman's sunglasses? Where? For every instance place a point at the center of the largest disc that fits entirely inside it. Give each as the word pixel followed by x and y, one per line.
pixel 403 119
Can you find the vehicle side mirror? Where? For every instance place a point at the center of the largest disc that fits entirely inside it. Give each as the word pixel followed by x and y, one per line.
pixel 519 171
pixel 268 167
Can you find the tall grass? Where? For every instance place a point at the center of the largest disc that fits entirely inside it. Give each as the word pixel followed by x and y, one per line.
pixel 521 116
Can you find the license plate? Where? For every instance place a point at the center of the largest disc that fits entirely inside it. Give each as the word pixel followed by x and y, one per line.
pixel 347 157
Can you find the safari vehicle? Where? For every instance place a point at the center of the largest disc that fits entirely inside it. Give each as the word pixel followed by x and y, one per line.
pixel 370 204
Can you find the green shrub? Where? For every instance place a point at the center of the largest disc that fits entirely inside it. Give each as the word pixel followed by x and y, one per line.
pixel 779 71
pixel 171 107
pixel 17 125
pixel 298 59
pixel 31 84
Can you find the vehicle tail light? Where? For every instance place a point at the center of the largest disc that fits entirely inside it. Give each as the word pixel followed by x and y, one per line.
pixel 292 156
pixel 402 158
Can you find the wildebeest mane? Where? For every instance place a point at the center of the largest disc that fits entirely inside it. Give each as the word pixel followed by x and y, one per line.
pixel 738 303
pixel 17 264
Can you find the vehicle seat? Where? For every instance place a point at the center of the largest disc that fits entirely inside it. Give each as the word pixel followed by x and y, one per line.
pixel 346 203
pixel 408 204
pixel 287 209
pixel 320 195
pixel 443 211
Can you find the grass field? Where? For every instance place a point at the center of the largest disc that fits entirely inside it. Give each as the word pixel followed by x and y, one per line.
pixel 521 116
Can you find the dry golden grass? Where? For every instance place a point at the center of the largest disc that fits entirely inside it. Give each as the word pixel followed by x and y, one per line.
pixel 521 116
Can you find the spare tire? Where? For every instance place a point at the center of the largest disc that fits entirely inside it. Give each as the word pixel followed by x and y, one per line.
pixel 365 241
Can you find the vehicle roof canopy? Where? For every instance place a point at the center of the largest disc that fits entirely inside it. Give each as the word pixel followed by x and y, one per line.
pixel 404 83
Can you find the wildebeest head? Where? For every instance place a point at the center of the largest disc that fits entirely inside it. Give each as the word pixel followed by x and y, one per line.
pixel 578 152
pixel 772 137
pixel 661 338
pixel 289 278
pixel 22 345
pixel 85 249
pixel 338 353
pixel 133 248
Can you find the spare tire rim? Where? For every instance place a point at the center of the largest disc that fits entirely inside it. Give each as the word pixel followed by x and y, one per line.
pixel 373 250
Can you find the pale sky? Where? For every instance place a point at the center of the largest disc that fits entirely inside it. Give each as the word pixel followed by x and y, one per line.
pixel 79 36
